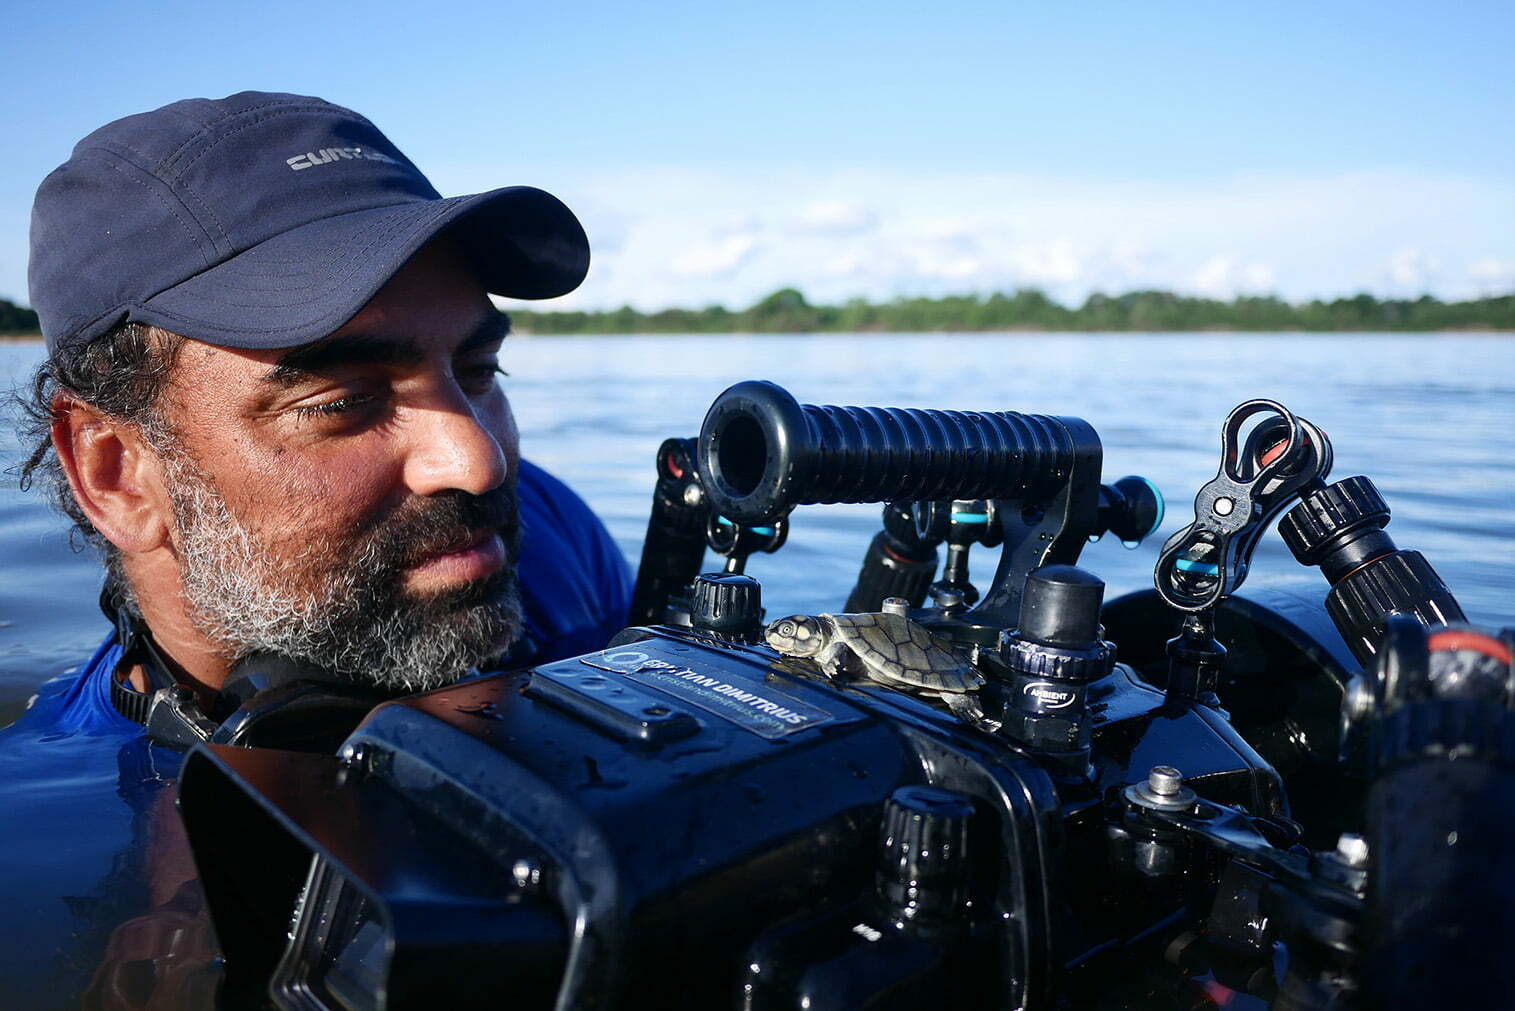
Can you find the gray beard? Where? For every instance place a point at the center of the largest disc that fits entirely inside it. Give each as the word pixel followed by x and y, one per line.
pixel 343 608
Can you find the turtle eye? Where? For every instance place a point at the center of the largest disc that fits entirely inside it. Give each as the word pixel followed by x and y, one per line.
pixel 787 628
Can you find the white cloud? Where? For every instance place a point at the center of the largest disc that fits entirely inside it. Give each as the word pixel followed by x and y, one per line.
pixel 948 265
pixel 834 217
pixel 736 224
pixel 714 259
pixel 1493 276
pixel 1055 263
pixel 1411 269
pixel 1257 279
pixel 1226 275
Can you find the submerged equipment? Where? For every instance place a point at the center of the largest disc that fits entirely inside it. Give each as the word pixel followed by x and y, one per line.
pixel 1020 796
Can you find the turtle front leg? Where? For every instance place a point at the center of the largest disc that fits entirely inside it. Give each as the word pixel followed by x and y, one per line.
pixel 836 661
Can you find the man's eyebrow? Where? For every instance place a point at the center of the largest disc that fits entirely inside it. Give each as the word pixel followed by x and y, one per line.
pixel 492 329
pixel 364 349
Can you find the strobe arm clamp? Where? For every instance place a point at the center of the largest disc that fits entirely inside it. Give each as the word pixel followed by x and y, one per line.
pixel 761 453
pixel 1205 562
pixel 735 541
pixel 1284 455
pixel 960 525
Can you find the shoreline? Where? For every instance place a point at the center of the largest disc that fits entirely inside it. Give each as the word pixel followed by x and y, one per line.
pixel 1018 331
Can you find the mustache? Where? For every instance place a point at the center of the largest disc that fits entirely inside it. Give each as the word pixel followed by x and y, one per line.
pixel 444 522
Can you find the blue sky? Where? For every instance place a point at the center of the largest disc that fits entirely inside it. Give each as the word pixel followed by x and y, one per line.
pixel 719 150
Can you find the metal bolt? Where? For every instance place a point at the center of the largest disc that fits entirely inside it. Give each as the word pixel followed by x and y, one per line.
pixel 1164 780
pixel 1352 850
pixel 1223 506
pixel 526 873
pixel 1164 790
pixel 946 598
pixel 1359 702
pixel 897 605
pixel 693 495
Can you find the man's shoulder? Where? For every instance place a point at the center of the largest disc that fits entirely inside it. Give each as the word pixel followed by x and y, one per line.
pixel 542 491
pixel 76 702
pixel 549 507
pixel 577 586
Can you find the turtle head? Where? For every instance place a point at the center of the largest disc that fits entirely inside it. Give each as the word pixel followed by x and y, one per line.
pixel 796 635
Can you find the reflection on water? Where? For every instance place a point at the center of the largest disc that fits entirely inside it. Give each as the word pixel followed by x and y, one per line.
pixel 1431 418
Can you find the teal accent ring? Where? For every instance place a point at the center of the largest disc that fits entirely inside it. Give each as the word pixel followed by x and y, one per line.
pixel 1203 568
pixel 1162 508
pixel 760 531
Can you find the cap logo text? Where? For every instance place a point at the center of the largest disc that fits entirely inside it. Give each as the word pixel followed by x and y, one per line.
pixel 326 155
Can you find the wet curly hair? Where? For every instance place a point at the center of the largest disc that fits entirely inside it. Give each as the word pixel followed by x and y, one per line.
pixel 122 374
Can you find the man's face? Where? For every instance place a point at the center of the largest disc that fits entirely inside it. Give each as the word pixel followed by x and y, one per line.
pixel 352 503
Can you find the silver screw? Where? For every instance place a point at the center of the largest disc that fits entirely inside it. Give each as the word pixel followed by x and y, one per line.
pixel 1223 506
pixel 693 495
pixel 1358 702
pixel 1352 850
pixel 525 873
pixel 1164 780
pixel 897 605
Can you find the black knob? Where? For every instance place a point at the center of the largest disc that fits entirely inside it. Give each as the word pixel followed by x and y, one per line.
pixel 1399 583
pixel 1131 508
pixel 1051 660
pixel 1061 606
pixel 728 605
pixel 923 855
pixel 1338 527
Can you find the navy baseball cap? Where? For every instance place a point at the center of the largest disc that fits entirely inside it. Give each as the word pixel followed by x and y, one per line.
pixel 264 221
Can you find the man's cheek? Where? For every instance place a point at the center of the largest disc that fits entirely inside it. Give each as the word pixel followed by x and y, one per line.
pixel 304 502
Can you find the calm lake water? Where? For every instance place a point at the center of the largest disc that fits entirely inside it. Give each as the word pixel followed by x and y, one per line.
pixel 1429 417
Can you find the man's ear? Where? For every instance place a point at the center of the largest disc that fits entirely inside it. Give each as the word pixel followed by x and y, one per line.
pixel 114 473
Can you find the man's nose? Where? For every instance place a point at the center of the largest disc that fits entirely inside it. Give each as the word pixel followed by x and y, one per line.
pixel 453 450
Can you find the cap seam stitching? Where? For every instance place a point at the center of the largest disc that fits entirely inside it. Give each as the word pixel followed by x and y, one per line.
pixel 314 105
pixel 180 171
pixel 383 233
pixel 197 234
pixel 126 154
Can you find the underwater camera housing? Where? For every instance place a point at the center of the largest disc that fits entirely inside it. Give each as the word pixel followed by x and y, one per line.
pixel 1017 818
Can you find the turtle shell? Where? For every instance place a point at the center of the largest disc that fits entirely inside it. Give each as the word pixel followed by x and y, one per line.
pixel 895 649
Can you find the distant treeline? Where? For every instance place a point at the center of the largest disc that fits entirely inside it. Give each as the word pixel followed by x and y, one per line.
pixel 14 319
pixel 787 311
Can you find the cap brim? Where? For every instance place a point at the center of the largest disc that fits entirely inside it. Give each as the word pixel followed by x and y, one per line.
pixel 301 285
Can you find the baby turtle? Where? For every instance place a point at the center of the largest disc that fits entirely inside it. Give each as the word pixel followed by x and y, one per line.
pixel 887 648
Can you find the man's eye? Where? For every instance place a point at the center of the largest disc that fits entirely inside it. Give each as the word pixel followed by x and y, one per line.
pixel 480 376
pixel 331 408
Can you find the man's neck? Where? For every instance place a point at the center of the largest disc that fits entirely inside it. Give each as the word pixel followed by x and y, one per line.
pixel 190 657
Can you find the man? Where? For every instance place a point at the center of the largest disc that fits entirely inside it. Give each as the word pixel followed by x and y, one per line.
pixel 271 398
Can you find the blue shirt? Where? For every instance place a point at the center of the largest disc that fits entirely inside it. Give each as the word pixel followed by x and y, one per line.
pixel 87 818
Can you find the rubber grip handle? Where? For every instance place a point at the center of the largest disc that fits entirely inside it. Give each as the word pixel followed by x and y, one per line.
pixel 761 453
